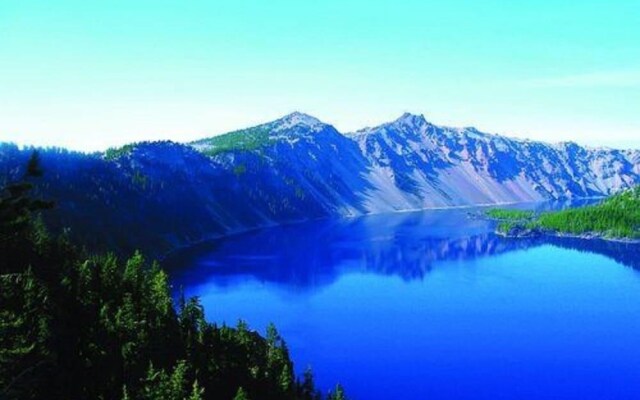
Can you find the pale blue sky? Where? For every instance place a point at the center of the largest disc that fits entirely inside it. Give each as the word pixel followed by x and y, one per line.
pixel 89 75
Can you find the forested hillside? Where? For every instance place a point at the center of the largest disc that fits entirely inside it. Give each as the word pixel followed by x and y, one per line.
pixel 75 325
pixel 617 217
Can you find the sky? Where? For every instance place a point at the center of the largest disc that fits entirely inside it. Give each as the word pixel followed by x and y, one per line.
pixel 90 75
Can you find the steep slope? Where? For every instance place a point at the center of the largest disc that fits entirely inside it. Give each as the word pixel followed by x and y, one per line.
pixel 150 196
pixel 293 168
pixel 161 195
pixel 415 164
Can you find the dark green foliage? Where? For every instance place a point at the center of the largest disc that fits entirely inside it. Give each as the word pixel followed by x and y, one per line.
pixel 78 326
pixel 506 226
pixel 307 388
pixel 241 395
pixel 115 153
pixel 24 334
pixel 506 214
pixel 337 394
pixel 16 209
pixel 615 217
pixel 159 384
pixel 510 219
pixel 33 165
pixel 524 225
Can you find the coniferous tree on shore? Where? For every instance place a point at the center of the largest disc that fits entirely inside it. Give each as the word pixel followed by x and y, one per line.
pixel 77 326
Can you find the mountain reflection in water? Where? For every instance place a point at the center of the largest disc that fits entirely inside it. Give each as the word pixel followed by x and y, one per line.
pixel 310 255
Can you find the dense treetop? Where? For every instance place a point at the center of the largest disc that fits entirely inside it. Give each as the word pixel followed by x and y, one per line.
pixel 616 217
pixel 79 326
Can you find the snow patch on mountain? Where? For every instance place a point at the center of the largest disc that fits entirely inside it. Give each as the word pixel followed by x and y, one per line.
pixel 431 166
pixel 297 119
pixel 299 168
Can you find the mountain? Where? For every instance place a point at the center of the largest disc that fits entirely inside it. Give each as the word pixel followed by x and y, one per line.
pixel 415 164
pixel 293 168
pixel 157 196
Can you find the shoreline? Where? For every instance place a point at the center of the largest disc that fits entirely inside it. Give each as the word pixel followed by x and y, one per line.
pixel 272 224
pixel 556 234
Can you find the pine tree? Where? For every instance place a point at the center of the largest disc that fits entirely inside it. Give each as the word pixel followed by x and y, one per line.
pixel 241 395
pixel 75 325
pixel 197 392
pixel 33 166
pixel 307 389
pixel 337 394
pixel 24 334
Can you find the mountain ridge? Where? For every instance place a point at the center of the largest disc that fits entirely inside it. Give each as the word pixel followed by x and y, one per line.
pixel 157 196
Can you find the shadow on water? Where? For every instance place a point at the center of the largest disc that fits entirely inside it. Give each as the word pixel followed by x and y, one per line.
pixel 308 256
pixel 627 254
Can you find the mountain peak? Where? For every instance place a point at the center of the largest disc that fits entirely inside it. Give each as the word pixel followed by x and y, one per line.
pixel 297 118
pixel 411 119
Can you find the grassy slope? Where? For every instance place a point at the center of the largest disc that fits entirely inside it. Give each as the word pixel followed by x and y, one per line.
pixel 246 139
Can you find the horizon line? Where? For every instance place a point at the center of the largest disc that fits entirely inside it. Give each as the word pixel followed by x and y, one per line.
pixel 405 114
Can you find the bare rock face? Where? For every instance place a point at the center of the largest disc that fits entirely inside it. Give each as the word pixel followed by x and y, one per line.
pixel 416 164
pixel 160 195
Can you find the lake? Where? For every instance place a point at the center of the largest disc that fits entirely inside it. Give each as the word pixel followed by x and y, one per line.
pixel 432 305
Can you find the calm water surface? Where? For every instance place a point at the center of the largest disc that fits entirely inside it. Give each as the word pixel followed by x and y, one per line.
pixel 432 305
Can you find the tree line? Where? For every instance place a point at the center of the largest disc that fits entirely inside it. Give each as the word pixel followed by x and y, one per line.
pixel 615 217
pixel 75 325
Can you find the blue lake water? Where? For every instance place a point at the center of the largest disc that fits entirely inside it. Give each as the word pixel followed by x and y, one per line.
pixel 432 305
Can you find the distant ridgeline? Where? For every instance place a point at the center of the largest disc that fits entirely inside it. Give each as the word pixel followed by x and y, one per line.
pixel 617 217
pixel 158 196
